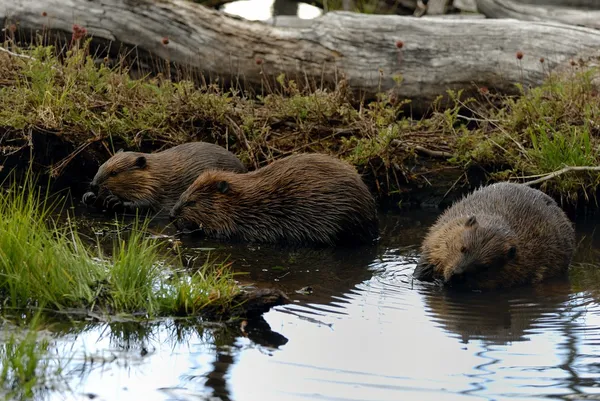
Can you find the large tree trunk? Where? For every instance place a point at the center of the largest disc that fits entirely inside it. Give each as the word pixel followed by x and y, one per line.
pixel 559 11
pixel 428 55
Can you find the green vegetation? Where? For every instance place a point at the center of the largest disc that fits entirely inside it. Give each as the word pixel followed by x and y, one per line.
pixel 46 265
pixel 84 103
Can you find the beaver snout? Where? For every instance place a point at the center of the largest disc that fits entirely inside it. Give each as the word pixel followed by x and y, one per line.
pixel 185 225
pixel 462 268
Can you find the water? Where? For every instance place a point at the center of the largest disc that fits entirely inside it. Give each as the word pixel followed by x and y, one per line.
pixel 367 332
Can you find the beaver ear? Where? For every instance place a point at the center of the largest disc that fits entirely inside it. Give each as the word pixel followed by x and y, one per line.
pixel 512 252
pixel 120 150
pixel 140 162
pixel 223 186
pixel 471 221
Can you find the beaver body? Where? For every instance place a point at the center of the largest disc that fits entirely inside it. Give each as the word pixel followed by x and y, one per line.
pixel 156 180
pixel 301 199
pixel 501 235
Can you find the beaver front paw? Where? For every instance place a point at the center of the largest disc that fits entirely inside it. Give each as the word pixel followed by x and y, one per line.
pixel 112 203
pixel 89 198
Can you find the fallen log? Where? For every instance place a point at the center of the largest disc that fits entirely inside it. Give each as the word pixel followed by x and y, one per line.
pixel 465 5
pixel 558 12
pixel 416 58
pixel 583 4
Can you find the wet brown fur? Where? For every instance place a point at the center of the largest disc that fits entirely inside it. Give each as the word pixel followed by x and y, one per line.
pixel 301 199
pixel 156 180
pixel 499 236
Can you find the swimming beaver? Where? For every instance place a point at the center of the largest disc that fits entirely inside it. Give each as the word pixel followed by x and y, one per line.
pixel 301 199
pixel 500 235
pixel 156 180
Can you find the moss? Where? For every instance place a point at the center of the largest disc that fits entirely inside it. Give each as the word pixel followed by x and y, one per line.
pixel 544 129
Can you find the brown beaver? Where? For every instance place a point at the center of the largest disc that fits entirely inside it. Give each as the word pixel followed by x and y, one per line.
pixel 154 181
pixel 501 235
pixel 302 199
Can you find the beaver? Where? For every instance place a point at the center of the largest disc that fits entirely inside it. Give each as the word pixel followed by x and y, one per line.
pixel 303 199
pixel 501 235
pixel 133 180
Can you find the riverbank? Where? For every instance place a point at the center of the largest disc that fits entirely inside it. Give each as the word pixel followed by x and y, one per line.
pixel 70 113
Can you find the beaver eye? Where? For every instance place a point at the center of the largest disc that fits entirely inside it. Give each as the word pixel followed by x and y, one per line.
pixel 112 173
pixel 463 249
pixel 190 203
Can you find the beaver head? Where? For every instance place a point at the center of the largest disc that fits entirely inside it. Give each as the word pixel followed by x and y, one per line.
pixel 473 251
pixel 206 205
pixel 126 176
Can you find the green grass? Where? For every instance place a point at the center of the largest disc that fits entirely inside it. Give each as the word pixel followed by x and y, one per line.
pixel 542 130
pixel 41 263
pixel 44 264
pixel 548 128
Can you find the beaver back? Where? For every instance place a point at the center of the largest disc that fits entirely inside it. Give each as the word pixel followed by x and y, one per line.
pixel 304 198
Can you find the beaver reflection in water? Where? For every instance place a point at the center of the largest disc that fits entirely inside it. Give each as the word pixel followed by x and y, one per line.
pixel 301 199
pixel 501 235
pixel 132 180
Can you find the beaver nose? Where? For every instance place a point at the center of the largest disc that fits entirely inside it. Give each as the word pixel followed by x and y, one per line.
pixel 94 187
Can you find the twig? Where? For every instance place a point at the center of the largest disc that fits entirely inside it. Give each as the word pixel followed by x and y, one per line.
pixel 477 119
pixel 425 151
pixel 16 54
pixel 56 170
pixel 554 174
pixel 433 153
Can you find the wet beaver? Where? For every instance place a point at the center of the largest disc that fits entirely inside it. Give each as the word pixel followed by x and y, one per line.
pixel 154 181
pixel 501 235
pixel 302 199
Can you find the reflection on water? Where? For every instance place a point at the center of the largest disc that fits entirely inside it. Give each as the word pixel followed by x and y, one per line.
pixel 367 332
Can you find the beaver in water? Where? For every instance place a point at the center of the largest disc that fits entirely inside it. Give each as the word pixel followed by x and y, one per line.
pixel 500 235
pixel 304 199
pixel 131 180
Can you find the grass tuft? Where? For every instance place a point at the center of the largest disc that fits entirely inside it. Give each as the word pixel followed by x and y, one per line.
pixel 44 264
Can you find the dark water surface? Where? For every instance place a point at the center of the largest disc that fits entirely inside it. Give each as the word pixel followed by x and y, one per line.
pixel 367 332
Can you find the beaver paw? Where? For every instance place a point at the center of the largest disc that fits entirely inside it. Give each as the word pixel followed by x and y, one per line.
pixel 113 203
pixel 89 198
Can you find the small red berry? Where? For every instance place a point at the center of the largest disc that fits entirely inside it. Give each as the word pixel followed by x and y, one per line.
pixel 519 55
pixel 165 41
pixel 259 61
pixel 44 14
pixel 78 32
pixel 399 44
pixel 484 90
pixel 573 63
pixel 542 60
